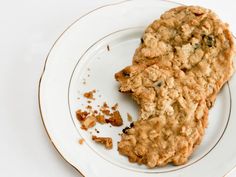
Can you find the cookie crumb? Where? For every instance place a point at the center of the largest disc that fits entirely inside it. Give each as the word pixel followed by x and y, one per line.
pixel 97 131
pixel 100 119
pixel 114 107
pixel 85 120
pixel 89 95
pixel 115 119
pixel 106 112
pixel 89 122
pixel 129 117
pixel 105 105
pixel 106 141
pixel 108 48
pixel 105 109
pixel 81 115
pixel 81 141
pixel 89 107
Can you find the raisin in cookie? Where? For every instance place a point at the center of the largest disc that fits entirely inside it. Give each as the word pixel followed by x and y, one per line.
pixel 173 116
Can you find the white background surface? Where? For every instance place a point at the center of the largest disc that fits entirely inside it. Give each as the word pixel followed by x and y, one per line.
pixel 28 30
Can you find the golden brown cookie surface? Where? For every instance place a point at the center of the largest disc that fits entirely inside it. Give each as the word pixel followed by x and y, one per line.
pixel 190 37
pixel 184 59
pixel 173 116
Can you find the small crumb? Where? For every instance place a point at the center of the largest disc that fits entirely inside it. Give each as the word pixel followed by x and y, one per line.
pixel 89 122
pixel 90 133
pixel 95 111
pixel 115 119
pixel 129 117
pixel 106 141
pixel 89 95
pixel 97 130
pixel 83 128
pixel 89 101
pixel 81 141
pixel 105 105
pixel 100 119
pixel 88 69
pixel 114 107
pixel 78 98
pixel 84 82
pixel 81 115
pixel 89 107
pixel 88 75
pixel 108 48
pixel 105 111
pixel 86 120
pixel 110 126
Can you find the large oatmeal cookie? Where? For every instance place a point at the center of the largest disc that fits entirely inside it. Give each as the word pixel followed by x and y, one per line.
pixel 183 36
pixel 173 115
pixel 188 36
pixel 183 60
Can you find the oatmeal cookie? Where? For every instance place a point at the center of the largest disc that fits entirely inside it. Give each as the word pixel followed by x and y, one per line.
pixel 184 59
pixel 183 36
pixel 173 115
pixel 190 37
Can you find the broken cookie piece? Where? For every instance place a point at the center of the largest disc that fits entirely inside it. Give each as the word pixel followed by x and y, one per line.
pixel 106 141
pixel 89 95
pixel 129 117
pixel 173 116
pixel 115 119
pixel 101 119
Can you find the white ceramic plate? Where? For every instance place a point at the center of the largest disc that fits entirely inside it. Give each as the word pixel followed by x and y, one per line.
pixel 81 54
